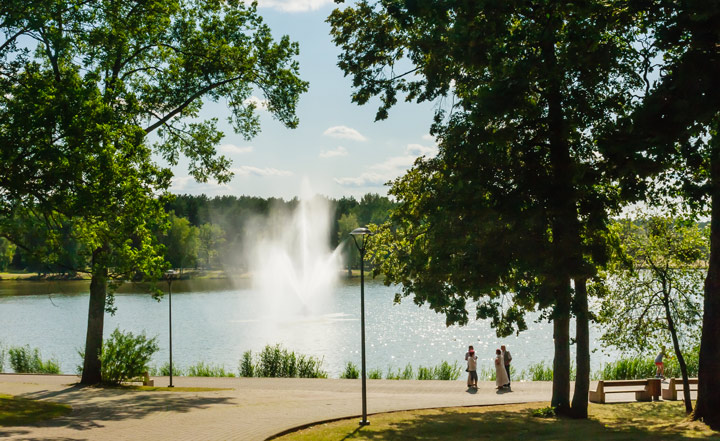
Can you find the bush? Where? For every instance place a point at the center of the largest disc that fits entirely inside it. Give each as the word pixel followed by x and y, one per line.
pixel 164 370
pixel 125 356
pixel 544 412
pixel 375 374
pixel 629 369
pixel 208 370
pixel 247 369
pixel 425 373
pixel 26 360
pixel 276 361
pixel 540 372
pixel 351 372
pixel 405 374
pixel 2 358
pixel 446 371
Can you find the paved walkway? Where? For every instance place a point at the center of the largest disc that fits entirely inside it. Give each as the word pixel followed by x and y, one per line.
pixel 253 409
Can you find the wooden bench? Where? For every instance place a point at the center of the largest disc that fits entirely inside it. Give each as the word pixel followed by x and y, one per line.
pixel 677 383
pixel 650 390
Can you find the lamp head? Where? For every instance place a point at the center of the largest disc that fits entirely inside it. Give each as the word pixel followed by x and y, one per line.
pixel 361 232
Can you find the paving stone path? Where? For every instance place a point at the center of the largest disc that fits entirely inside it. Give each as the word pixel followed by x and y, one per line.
pixel 251 408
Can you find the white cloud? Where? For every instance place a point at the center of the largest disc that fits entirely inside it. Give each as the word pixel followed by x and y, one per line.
pixel 379 174
pixel 247 170
pixel 231 148
pixel 345 133
pixel 259 103
pixel 340 151
pixel 293 5
pixel 189 184
pixel 421 150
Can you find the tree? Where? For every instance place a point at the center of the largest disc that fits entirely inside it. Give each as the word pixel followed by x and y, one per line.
pixel 653 289
pixel 210 238
pixel 83 84
pixel 673 131
pixel 181 243
pixel 514 206
pixel 346 224
pixel 7 251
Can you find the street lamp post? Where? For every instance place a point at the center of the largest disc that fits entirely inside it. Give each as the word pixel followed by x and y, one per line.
pixel 362 232
pixel 169 277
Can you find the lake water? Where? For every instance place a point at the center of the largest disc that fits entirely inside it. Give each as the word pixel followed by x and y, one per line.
pixel 215 321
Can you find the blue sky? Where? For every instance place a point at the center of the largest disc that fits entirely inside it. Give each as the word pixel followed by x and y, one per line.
pixel 337 147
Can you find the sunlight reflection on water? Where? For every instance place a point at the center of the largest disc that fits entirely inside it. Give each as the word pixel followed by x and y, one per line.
pixel 214 324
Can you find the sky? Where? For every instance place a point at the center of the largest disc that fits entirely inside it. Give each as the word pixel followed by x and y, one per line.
pixel 337 147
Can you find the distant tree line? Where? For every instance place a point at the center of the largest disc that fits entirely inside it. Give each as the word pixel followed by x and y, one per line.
pixel 201 232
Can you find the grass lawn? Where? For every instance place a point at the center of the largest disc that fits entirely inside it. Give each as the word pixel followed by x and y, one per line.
pixel 627 421
pixel 16 411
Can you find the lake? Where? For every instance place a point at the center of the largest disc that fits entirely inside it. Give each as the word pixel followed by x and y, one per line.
pixel 215 321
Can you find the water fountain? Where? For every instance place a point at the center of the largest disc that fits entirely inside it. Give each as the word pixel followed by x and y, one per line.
pixel 294 270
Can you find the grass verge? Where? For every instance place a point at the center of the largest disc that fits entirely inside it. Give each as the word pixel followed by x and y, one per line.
pixel 626 421
pixel 16 411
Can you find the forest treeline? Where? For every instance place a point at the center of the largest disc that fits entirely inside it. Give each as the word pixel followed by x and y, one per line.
pixel 202 232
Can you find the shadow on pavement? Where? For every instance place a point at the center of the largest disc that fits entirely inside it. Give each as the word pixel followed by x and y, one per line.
pixel 93 406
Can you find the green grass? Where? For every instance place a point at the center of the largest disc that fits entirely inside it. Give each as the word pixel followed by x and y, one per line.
pixel 16 411
pixel 613 422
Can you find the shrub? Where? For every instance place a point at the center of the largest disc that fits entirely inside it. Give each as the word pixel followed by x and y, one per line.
pixel 208 370
pixel 351 371
pixel 247 369
pixel 375 374
pixel 540 372
pixel 2 358
pixel 425 373
pixel 125 356
pixel 544 412
pixel 276 361
pixel 446 371
pixel 164 370
pixel 405 374
pixel 23 359
pixel 629 369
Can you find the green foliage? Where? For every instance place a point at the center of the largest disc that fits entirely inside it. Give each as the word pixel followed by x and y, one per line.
pixel 446 371
pixel 247 369
pixel 7 251
pixel 544 412
pixel 23 359
pixel 125 356
pixel 629 369
pixel 164 370
pixel 539 372
pixel 657 264
pixel 276 361
pixel 644 367
pixel 207 370
pixel 181 243
pixel 400 374
pixel 374 374
pixel 351 371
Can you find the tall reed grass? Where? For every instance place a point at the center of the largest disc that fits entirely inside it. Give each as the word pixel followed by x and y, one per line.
pixel 276 361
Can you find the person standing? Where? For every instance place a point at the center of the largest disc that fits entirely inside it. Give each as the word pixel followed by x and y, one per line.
pixel 471 359
pixel 507 358
pixel 501 378
pixel 659 365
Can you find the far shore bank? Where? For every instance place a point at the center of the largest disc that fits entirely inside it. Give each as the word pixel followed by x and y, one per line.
pixel 186 274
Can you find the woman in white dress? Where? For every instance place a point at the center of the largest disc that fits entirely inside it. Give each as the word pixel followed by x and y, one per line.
pixel 501 377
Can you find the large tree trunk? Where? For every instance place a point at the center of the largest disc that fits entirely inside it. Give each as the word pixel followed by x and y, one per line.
pixel 707 407
pixel 561 361
pixel 582 339
pixel 96 316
